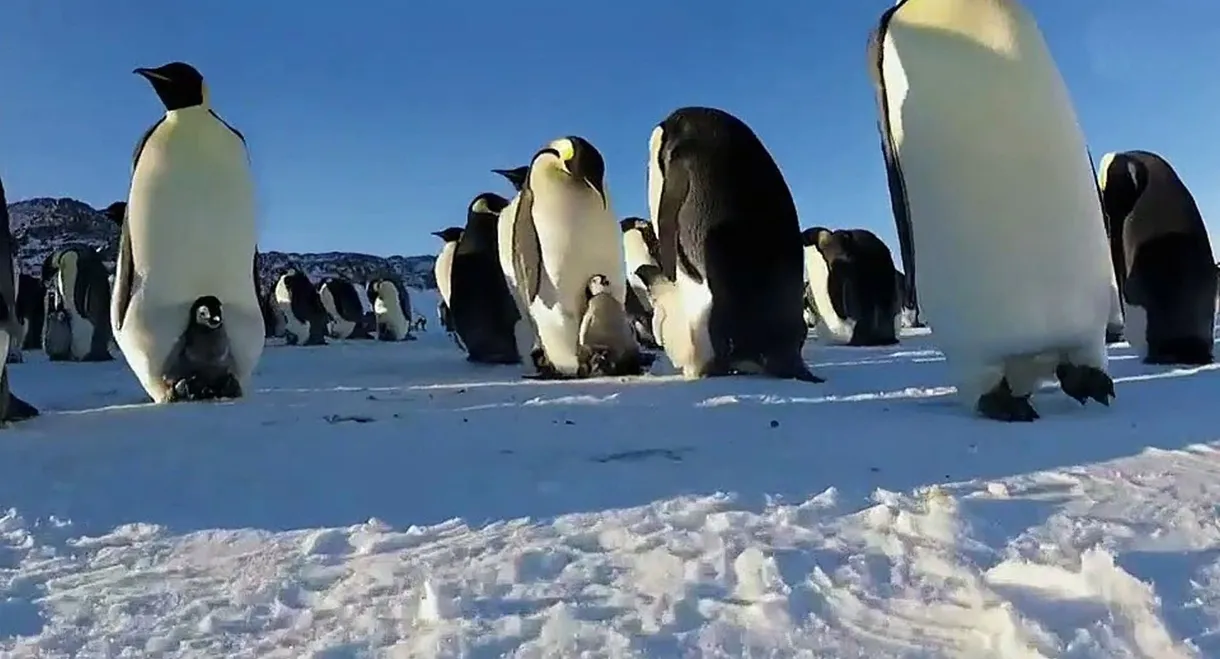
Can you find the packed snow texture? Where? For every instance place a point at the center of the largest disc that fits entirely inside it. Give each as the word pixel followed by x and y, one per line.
pixel 392 500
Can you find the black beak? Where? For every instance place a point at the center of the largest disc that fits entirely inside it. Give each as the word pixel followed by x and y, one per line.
pixel 151 74
pixel 439 234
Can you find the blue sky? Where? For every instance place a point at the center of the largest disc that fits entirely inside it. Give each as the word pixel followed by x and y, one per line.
pixel 373 123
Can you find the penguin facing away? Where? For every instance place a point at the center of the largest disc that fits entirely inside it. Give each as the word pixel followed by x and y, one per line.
pixel 1012 278
pixel 1162 258
pixel 670 325
pixel 729 239
pixel 30 310
pixel 564 233
pixel 201 366
pixel 305 318
pixel 442 270
pixel 82 308
pixel 851 280
pixel 482 309
pixel 391 308
pixel 189 232
pixel 606 341
pixel 12 408
pixel 524 332
pixel 639 248
pixel 343 308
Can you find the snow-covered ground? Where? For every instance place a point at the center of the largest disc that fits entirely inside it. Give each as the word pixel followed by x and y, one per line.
pixel 392 500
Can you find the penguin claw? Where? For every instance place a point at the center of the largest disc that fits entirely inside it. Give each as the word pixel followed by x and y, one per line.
pixel 1000 404
pixel 1082 383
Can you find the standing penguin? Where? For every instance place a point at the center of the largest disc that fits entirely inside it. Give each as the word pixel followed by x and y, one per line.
pixel 188 235
pixel 81 289
pixel 851 280
pixel 1162 258
pixel 343 307
pixel 443 269
pixel 482 309
pixel 1013 279
pixel 116 213
pixel 305 318
pixel 30 310
pixel 524 332
pixel 606 342
pixel 12 408
pixel 563 234
pixel 639 247
pixel 391 308
pixel 729 239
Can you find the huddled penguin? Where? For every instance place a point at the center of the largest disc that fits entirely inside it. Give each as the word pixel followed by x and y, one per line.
pixel 729 239
pixel 851 280
pixel 442 270
pixel 481 307
pixel 305 318
pixel 342 303
pixel 116 213
pixel 606 342
pixel 639 247
pixel 524 332
pixel 1013 278
pixel 1162 258
pixel 80 312
pixel 30 310
pixel 563 234
pixel 391 308
pixel 188 243
pixel 12 408
pixel 811 308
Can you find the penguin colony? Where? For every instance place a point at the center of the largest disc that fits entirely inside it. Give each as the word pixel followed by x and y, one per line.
pixel 1021 289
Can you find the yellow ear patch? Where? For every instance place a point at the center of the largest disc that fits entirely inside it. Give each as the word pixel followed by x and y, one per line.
pixel 1103 169
pixel 480 206
pixel 823 239
pixel 565 148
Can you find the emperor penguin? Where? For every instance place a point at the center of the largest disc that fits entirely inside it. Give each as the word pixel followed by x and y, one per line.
pixel 606 342
pixel 305 318
pixel 82 305
pixel 30 311
pixel 482 309
pixel 391 308
pixel 201 365
pixel 851 281
pixel 524 332
pixel 729 239
pixel 116 213
pixel 442 270
pixel 1162 258
pixel 564 233
pixel 343 308
pixel 12 408
pixel 188 234
pixel 639 248
pixel 1013 278
pixel 670 325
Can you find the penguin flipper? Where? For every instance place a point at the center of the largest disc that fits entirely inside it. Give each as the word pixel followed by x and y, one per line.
pixel 673 197
pixel 124 280
pixel 135 154
pixel 527 250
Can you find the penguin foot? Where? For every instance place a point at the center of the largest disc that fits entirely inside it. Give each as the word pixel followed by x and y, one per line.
pixel 16 357
pixel 1000 405
pixel 195 388
pixel 315 341
pixel 1081 383
pixel 18 409
pixel 1181 352
pixel 792 368
pixel 1114 335
pixel 98 357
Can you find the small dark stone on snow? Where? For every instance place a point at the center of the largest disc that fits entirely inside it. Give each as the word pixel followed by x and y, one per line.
pixel 569 423
pixel 875 470
pixel 774 423
pixel 335 418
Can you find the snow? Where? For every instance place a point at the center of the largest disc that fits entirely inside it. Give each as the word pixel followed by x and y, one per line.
pixel 391 500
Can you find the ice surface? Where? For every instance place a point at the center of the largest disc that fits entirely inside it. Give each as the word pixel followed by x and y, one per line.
pixel 392 500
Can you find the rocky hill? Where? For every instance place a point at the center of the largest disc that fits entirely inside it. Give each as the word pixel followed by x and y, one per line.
pixel 42 225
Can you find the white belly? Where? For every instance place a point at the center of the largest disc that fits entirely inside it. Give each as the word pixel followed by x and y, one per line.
pixel 443 270
pixel 389 313
pixel 1011 249
pixel 191 216
pixel 525 333
pixel 830 327
pixel 578 241
pixel 292 325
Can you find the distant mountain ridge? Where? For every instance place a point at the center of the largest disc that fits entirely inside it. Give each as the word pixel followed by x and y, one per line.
pixel 42 225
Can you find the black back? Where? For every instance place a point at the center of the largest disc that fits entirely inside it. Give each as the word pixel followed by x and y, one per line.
pixel 12 408
pixel 306 304
pixel 482 309
pixel 30 295
pixel 347 300
pixel 861 283
pixel 736 228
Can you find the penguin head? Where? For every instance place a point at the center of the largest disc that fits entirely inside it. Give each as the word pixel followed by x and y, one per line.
pixel 206 313
pixel 450 235
pixel 488 203
pixel 116 211
pixel 637 223
pixel 178 84
pixel 573 157
pixel 516 176
pixel 598 284
pixel 816 237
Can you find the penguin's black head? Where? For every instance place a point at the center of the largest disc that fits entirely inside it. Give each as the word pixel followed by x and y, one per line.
pixel 577 158
pixel 206 313
pixel 116 212
pixel 598 284
pixel 488 203
pixel 450 235
pixel 627 224
pixel 178 84
pixel 516 176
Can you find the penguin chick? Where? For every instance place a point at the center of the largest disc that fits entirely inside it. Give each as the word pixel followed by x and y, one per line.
pixel 203 369
pixel 607 343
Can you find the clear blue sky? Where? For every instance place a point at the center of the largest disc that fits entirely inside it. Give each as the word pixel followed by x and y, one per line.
pixel 373 123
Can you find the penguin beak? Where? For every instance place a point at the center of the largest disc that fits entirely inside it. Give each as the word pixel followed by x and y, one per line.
pixel 439 234
pixel 151 74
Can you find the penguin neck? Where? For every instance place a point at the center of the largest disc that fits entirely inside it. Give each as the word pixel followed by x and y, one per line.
pixel 186 113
